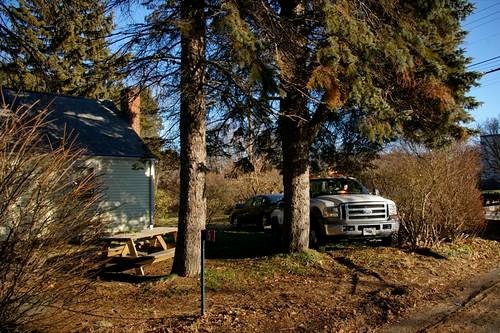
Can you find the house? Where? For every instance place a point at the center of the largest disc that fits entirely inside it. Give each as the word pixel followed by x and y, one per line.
pixel 113 150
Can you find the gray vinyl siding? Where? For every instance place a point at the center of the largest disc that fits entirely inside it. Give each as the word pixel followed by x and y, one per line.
pixel 126 185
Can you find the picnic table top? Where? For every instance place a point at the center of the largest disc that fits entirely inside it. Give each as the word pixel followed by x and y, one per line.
pixel 146 233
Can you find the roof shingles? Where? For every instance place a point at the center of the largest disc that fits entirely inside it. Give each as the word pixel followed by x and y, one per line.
pixel 98 129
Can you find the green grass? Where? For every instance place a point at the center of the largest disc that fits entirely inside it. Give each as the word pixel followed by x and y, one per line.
pixel 224 278
pixel 297 263
pixel 239 276
pixel 455 250
pixel 167 221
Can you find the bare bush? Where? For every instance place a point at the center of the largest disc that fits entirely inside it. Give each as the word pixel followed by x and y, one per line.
pixel 167 195
pixel 223 192
pixel 45 204
pixel 436 193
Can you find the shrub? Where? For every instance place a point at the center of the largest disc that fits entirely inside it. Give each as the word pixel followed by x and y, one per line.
pixel 436 192
pixel 164 204
pixel 168 187
pixel 223 192
pixel 45 204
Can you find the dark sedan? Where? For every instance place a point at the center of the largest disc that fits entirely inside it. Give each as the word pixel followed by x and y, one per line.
pixel 256 210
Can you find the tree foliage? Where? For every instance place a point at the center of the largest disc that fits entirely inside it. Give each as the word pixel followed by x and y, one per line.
pixel 399 61
pixel 303 62
pixel 342 147
pixel 151 122
pixel 58 47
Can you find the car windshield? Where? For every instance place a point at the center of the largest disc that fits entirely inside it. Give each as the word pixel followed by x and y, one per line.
pixel 336 186
pixel 273 199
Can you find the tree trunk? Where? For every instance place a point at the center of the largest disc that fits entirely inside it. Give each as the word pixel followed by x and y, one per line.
pixel 295 148
pixel 294 126
pixel 192 201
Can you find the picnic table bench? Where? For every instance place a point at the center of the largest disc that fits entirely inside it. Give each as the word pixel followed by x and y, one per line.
pixel 141 248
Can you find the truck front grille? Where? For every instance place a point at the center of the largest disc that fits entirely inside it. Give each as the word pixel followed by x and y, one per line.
pixel 364 211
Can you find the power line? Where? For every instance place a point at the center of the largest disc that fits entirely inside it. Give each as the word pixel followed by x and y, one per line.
pixel 492 71
pixel 484 9
pixel 480 25
pixel 482 62
pixel 482 18
pixel 486 67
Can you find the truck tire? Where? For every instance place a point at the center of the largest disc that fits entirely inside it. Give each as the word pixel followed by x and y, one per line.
pixel 392 240
pixel 315 236
pixel 313 239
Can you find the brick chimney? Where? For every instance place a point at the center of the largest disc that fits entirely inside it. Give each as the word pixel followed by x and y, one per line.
pixel 131 107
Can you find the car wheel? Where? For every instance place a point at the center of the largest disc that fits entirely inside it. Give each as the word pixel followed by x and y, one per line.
pixel 263 222
pixel 275 227
pixel 235 221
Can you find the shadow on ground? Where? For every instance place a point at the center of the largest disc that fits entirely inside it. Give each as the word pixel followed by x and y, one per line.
pixel 492 231
pixel 350 244
pixel 241 243
pixel 133 278
pixel 426 252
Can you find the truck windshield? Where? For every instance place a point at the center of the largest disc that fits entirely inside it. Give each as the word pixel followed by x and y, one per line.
pixel 336 186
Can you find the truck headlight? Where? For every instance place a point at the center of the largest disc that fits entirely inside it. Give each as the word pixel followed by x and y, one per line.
pixel 331 211
pixel 393 211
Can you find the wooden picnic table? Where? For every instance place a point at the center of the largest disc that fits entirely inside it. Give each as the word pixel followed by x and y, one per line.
pixel 141 248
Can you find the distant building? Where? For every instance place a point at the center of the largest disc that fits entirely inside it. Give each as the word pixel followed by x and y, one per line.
pixel 113 150
pixel 490 159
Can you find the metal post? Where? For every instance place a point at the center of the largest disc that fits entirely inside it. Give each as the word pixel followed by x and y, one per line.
pixel 202 277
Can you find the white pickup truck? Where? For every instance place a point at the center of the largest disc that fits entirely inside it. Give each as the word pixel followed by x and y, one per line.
pixel 342 207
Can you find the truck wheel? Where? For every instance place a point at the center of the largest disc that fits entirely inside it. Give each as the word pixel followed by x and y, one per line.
pixel 392 240
pixel 315 238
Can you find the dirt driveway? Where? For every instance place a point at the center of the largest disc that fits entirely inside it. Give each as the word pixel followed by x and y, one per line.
pixel 475 309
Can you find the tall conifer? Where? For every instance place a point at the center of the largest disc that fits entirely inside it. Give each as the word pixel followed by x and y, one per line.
pixel 399 60
pixel 57 46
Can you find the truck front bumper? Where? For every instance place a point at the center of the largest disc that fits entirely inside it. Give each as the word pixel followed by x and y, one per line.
pixel 377 229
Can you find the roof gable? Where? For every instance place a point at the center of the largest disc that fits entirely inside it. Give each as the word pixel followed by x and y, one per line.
pixel 98 129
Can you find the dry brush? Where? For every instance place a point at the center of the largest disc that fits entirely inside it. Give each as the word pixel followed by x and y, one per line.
pixel 436 192
pixel 49 220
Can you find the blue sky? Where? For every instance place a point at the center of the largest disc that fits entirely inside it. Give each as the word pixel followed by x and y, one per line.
pixel 483 43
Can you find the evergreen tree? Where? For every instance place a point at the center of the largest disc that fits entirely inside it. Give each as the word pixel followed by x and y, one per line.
pixel 194 82
pixel 340 146
pixel 151 122
pixel 398 60
pixel 58 46
pixel 192 202
pixel 168 51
